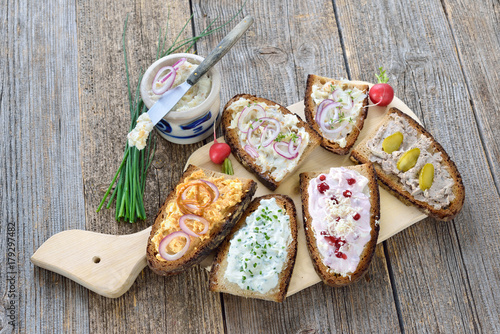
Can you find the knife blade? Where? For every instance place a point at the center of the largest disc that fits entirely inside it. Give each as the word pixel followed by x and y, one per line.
pixel 170 98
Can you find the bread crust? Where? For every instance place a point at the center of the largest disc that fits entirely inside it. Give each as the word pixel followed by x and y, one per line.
pixel 366 256
pixel 217 281
pixel 392 184
pixel 310 113
pixel 195 256
pixel 231 138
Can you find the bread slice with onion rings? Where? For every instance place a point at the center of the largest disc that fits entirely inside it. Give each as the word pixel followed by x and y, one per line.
pixel 336 110
pixel 196 216
pixel 266 138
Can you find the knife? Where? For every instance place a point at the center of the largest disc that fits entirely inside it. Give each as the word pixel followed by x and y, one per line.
pixel 170 98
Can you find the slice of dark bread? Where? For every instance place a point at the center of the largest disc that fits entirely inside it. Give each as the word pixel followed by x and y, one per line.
pixel 361 154
pixel 231 138
pixel 198 250
pixel 324 272
pixel 219 283
pixel 310 108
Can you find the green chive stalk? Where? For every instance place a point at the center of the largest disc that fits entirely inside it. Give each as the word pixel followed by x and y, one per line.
pixel 129 182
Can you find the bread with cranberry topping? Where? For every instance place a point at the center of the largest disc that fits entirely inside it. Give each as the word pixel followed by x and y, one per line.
pixel 327 274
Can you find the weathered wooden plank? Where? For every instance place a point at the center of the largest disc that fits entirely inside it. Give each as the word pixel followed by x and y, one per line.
pixel 273 60
pixel 445 274
pixel 40 184
pixel 154 303
pixel 477 41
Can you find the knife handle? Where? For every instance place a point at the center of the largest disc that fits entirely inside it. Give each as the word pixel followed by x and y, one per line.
pixel 221 49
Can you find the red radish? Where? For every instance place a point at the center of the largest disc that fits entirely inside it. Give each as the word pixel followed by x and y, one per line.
pixel 219 151
pixel 381 93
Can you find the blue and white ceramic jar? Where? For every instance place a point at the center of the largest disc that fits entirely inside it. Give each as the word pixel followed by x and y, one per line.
pixel 192 125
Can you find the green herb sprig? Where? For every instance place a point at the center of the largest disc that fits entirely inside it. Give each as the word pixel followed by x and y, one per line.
pixel 129 181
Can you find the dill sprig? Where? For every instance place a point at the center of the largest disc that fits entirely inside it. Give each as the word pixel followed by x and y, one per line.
pixel 129 182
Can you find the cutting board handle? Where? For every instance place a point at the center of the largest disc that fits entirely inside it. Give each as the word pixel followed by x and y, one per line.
pixel 106 264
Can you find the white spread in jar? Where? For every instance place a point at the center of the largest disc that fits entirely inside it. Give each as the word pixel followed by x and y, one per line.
pixel 195 95
pixel 278 163
pixel 339 205
pixel 139 135
pixel 258 251
pixel 440 194
pixel 339 120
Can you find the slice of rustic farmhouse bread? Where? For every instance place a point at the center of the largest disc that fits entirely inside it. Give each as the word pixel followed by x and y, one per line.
pixel 256 260
pixel 340 224
pixel 270 167
pixel 347 137
pixel 234 196
pixel 445 198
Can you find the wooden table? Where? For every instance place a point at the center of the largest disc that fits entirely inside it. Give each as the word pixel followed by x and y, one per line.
pixel 64 117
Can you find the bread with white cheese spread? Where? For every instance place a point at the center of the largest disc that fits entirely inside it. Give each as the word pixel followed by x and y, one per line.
pixel 256 260
pixel 351 120
pixel 269 165
pixel 445 197
pixel 341 210
pixel 221 214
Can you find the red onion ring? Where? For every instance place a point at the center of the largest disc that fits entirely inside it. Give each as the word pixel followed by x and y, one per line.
pixel 326 130
pixel 245 112
pixel 321 106
pixel 321 115
pixel 266 142
pixel 294 150
pixel 251 151
pixel 168 83
pixel 214 188
pixel 284 152
pixel 182 224
pixel 176 67
pixel 254 126
pixel 162 248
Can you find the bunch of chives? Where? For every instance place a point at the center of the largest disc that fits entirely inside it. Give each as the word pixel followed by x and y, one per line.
pixel 129 181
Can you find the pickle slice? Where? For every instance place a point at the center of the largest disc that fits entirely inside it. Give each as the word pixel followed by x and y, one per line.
pixel 392 142
pixel 408 160
pixel 426 177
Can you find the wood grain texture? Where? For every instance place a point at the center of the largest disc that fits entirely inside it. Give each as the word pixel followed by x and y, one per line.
pixel 446 275
pixel 264 63
pixel 40 173
pixel 477 42
pixel 153 304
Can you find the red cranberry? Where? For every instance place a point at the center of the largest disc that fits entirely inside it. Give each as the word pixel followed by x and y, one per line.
pixel 322 178
pixel 323 233
pixel 337 219
pixel 322 187
pixel 351 181
pixel 347 193
pixel 356 216
pixel 334 199
pixel 340 255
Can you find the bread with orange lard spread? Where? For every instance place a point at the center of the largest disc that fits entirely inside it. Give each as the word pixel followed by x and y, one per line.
pixel 196 216
pixel 341 210
pixel 412 166
pixel 266 138
pixel 256 260
pixel 336 110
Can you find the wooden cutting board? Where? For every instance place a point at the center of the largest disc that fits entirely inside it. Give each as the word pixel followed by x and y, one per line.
pixel 109 264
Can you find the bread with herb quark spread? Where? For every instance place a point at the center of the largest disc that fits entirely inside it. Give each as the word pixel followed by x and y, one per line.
pixel 336 110
pixel 266 138
pixel 412 166
pixel 196 216
pixel 256 260
pixel 341 210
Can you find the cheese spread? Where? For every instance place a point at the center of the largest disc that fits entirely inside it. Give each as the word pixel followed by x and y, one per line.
pixel 346 117
pixel 139 135
pixel 195 95
pixel 268 158
pixel 440 194
pixel 339 205
pixel 258 251
pixel 230 194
